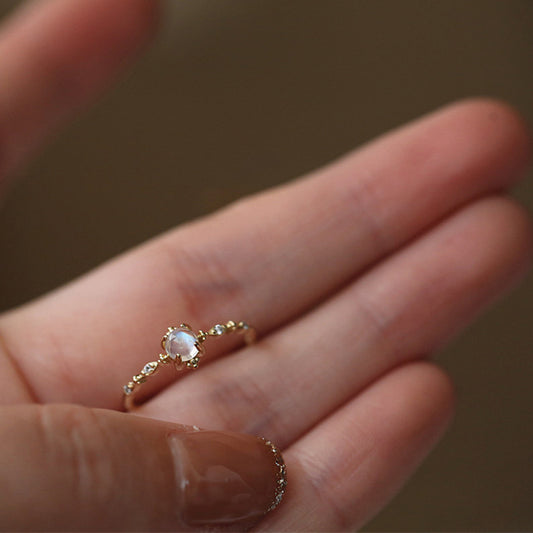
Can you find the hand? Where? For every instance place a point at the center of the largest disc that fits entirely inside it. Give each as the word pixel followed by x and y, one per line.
pixel 352 276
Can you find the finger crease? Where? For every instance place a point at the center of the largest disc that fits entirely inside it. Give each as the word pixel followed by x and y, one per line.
pixel 12 362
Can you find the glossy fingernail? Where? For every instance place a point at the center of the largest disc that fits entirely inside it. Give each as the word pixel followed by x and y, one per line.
pixel 226 478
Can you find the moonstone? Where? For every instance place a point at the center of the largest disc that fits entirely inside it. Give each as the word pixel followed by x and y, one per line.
pixel 181 343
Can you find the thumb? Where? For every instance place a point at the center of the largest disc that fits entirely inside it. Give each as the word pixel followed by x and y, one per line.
pixel 66 467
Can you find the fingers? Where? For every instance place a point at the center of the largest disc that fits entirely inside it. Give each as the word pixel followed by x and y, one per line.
pixel 268 259
pixel 406 307
pixel 348 467
pixel 71 468
pixel 55 55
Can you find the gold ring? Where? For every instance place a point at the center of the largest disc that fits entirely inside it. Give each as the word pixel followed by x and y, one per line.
pixel 184 348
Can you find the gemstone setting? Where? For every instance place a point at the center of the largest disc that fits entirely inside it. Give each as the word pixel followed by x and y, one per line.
pixel 181 344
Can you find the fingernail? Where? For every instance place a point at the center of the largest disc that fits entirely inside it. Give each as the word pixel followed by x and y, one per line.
pixel 226 478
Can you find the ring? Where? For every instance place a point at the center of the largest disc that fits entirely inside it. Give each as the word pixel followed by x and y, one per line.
pixel 184 348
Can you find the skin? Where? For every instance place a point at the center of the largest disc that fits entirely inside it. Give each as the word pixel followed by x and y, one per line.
pixel 365 268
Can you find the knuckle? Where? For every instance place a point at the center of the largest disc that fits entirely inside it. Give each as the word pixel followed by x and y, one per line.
pixel 200 275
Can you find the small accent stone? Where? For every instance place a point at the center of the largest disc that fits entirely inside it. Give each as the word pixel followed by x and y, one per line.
pixel 149 368
pixel 219 329
pixel 127 390
pixel 181 342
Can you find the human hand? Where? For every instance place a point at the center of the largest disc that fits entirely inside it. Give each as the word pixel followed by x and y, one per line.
pixel 352 276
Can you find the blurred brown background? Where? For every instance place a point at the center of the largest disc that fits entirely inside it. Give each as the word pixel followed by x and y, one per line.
pixel 240 95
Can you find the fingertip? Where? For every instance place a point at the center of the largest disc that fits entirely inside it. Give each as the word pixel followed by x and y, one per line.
pixel 504 226
pixel 499 123
pixel 433 392
pixel 498 113
pixel 76 468
pixel 517 226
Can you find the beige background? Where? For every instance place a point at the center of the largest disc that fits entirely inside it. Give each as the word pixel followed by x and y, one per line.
pixel 239 95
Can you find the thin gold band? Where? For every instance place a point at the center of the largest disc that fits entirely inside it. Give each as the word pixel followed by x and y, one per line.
pixel 184 348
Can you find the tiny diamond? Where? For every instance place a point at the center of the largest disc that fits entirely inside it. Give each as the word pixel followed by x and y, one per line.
pixel 219 329
pixel 181 342
pixel 149 368
pixel 127 390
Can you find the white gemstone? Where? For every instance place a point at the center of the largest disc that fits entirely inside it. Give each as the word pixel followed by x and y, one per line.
pixel 181 343
pixel 219 329
pixel 127 390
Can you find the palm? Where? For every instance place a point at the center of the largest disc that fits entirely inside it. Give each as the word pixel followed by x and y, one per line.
pixel 350 276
